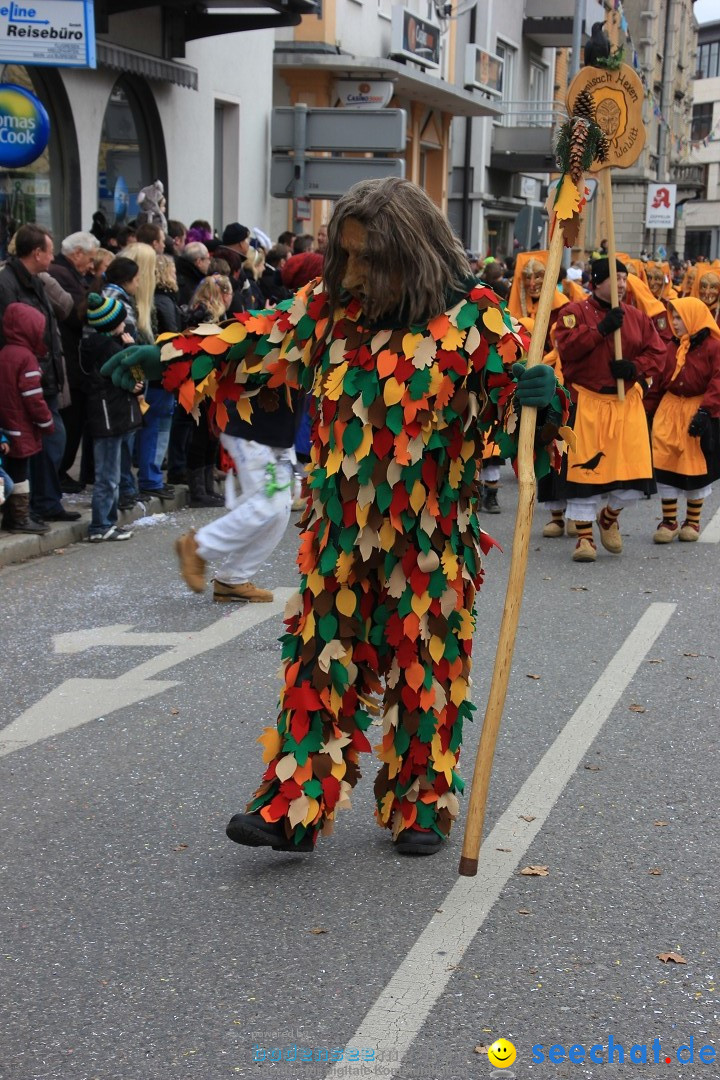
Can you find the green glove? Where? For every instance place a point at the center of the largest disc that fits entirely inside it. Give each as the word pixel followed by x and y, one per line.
pixel 132 365
pixel 535 386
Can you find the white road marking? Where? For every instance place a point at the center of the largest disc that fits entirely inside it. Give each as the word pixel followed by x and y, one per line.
pixel 117 634
pixel 711 532
pixel 78 701
pixel 404 1005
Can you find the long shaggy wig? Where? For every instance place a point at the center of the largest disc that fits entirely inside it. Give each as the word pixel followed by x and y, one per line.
pixel 408 241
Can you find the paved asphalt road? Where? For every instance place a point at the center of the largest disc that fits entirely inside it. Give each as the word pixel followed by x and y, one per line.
pixel 139 944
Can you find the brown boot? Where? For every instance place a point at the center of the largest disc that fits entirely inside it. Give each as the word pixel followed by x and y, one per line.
pixel 243 593
pixel 16 516
pixel 192 566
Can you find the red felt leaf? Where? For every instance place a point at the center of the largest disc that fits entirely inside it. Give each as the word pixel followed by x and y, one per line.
pixel 331 791
pixel 359 741
pixel 174 375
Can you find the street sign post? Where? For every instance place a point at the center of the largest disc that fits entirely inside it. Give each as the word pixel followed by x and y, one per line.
pixel 380 130
pixel 297 132
pixel 328 178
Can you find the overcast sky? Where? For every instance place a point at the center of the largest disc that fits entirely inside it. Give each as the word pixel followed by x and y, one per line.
pixel 707 11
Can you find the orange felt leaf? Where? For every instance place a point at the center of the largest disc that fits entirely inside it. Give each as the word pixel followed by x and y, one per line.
pixel 186 397
pixel 445 393
pixel 386 363
pixel 414 675
pixel 439 326
pixel 221 415
pixel 214 345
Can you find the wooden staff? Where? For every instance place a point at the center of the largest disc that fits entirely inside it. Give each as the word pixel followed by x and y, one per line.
pixel 516 578
pixel 612 264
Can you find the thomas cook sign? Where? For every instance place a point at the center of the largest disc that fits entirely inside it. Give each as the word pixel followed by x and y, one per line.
pixel 59 33
pixel 24 127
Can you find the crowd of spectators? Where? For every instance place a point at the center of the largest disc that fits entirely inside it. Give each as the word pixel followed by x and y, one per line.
pixel 63 427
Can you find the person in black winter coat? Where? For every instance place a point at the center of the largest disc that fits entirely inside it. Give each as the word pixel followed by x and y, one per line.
pixel 20 283
pixel 112 414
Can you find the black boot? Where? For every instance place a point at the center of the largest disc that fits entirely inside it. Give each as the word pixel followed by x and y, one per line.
pixel 198 494
pixel 490 500
pixel 218 500
pixel 253 831
pixel 16 516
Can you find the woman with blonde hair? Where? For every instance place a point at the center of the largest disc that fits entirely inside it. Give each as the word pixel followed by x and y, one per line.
pixel 153 437
pixel 208 305
pixel 145 257
pixel 210 300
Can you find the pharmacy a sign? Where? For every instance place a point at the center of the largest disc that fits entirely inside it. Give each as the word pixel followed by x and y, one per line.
pixel 24 127
pixel 56 33
pixel 660 209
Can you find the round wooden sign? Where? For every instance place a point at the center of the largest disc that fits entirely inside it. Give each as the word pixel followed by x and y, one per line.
pixel 618 98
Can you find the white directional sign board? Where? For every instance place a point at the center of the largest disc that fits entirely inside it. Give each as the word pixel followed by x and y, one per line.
pixel 329 178
pixel 380 130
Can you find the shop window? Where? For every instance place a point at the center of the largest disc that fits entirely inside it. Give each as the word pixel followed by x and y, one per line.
pixel 131 150
pixel 43 191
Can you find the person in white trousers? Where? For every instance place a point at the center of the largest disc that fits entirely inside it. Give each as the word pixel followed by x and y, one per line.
pixel 243 539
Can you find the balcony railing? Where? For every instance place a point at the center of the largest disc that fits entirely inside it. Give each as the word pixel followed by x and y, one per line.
pixel 525 114
pixel 688 176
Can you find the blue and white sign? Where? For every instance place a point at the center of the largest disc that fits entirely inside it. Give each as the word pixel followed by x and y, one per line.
pixel 56 33
pixel 24 126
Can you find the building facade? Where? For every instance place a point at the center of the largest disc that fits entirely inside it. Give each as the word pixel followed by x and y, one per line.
pixel 177 96
pixel 702 216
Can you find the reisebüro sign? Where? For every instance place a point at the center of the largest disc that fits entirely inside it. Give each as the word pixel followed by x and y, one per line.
pixel 58 33
pixel 24 127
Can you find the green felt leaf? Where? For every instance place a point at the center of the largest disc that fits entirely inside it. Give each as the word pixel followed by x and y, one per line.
pixel 456 735
pixel 452 649
pixel 438 584
pixel 425 815
pixel 327 627
pixel 352 436
pixel 401 741
pixel 419 384
pixel 383 497
pixel 327 561
pixel 467 316
pixel 202 365
pixel 395 419
pixel 367 468
pixel 428 723
pixel 333 509
pixel 370 388
pixel 313 788
pixel 305 327
pixel 458 783
pixel 348 536
pixel 339 675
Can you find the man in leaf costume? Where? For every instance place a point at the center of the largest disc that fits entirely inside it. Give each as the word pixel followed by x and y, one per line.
pixel 408 362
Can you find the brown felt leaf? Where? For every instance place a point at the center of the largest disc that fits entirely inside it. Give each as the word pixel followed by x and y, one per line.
pixel 535 871
pixel 671 957
pixel 655 871
pixel 527 817
pixel 637 708
pixel 318 930
pixel 660 824
pixel 481 1048
pixel 579 588
pixel 174 712
pixel 532 676
pixel 524 911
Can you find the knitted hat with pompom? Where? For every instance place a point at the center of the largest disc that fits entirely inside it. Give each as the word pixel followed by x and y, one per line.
pixel 104 313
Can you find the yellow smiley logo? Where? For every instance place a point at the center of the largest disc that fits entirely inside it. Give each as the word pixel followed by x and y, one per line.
pixel 501 1054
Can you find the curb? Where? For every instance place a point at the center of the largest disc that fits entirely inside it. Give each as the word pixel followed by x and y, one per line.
pixel 19 547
